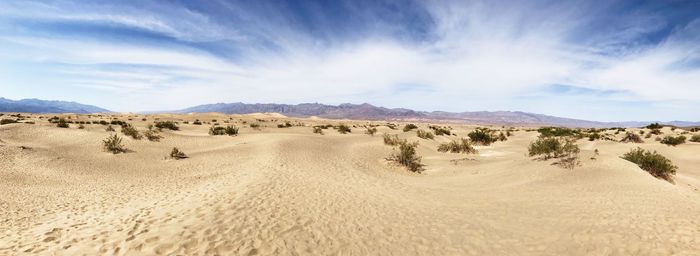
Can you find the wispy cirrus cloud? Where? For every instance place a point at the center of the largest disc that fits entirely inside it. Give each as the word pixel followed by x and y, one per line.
pixel 443 55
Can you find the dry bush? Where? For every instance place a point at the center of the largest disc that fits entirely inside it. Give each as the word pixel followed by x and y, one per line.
pixel 425 134
pixel 391 140
pixel 409 127
pixel 552 148
pixel 632 137
pixel 177 154
pixel 113 144
pixel 371 131
pixel 7 121
pixel 343 129
pixel 152 135
pixel 440 130
pixel 318 130
pixel 130 131
pixel 285 125
pixel 673 141
pixel 170 125
pixel 652 162
pixel 220 130
pixel 81 126
pixel 695 138
pixel 462 146
pixel 109 128
pixel 255 126
pixel 406 155
pixel 62 123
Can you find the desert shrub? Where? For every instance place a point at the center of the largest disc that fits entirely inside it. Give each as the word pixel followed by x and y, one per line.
pixel 552 148
pixel 391 140
pixel 695 129
pixel 62 123
pixel 177 154
pixel 647 136
pixel 425 134
pixel 502 137
pixel 695 138
pixel 285 125
pixel 632 137
pixel 440 130
pixel 170 125
pixel 409 127
pixel 556 132
pixel 391 126
pixel 152 135
pixel 103 122
pixel 318 130
pixel 407 156
pixel 197 122
pixel 7 121
pixel 343 129
pixel 652 162
pixel 113 144
pixel 481 136
pixel 371 131
pixel 109 128
pixel 655 132
pixel 594 136
pixel 462 146
pixel 673 141
pixel 118 122
pixel 231 130
pixel 130 131
pixel 217 130
pixel 255 126
pixel 641 132
pixel 81 126
pixel 654 126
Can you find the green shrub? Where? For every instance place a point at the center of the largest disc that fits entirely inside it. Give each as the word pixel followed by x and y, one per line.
pixel 552 148
pixel 391 140
pixel 652 162
pixel 177 154
pixel 407 156
pixel 130 131
pixel 556 132
pixel 425 134
pixel 654 126
pixel 113 144
pixel 62 123
pixel 632 137
pixel 409 127
pixel 481 136
pixel 231 130
pixel 695 138
pixel 673 141
pixel 343 129
pixel 7 121
pixel 371 131
pixel 170 125
pixel 462 146
pixel 439 131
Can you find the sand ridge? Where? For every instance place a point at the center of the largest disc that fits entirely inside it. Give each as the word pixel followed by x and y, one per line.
pixel 287 191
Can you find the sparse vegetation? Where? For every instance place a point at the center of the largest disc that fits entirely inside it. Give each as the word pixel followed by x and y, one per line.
pixel 152 135
pixel 556 132
pixel 343 129
pixel 170 125
pixel 409 127
pixel 318 130
pixel 462 146
pixel 407 156
pixel 425 134
pixel 285 125
pixel 113 144
pixel 220 130
pixel 632 137
pixel 81 126
pixel 255 126
pixel 177 154
pixel 565 150
pixel 109 128
pixel 440 130
pixel 673 141
pixel 654 126
pixel 652 162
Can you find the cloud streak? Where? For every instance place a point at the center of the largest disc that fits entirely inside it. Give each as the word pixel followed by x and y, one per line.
pixel 456 56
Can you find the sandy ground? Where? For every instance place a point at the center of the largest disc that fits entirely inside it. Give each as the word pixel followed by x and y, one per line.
pixel 288 191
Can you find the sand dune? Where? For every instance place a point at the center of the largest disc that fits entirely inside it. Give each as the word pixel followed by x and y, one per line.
pixel 288 191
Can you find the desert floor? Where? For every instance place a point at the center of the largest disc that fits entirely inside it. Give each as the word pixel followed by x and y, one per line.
pixel 288 191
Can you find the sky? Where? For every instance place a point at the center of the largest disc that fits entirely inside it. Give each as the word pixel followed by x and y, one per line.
pixel 595 60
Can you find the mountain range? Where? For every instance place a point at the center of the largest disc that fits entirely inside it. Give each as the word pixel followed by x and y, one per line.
pixel 47 106
pixel 343 111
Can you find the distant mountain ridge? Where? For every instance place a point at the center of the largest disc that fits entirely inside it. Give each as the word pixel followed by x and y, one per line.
pixel 47 106
pixel 370 112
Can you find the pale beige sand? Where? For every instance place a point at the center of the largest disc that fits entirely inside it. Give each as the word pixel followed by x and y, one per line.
pixel 291 192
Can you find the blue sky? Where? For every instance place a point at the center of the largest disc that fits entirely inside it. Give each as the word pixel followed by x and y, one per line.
pixel 596 60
